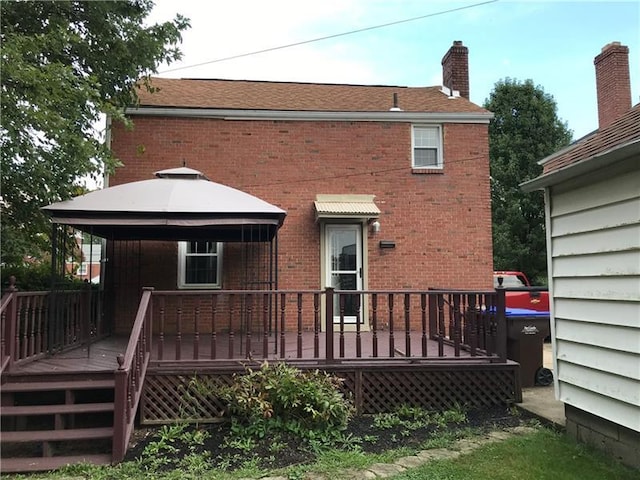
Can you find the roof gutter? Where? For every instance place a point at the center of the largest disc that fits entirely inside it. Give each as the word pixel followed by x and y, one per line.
pixel 229 114
pixel 601 160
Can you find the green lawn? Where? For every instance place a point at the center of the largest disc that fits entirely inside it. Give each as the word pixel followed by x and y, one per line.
pixel 538 456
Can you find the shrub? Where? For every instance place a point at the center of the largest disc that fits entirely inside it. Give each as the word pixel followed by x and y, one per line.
pixel 279 397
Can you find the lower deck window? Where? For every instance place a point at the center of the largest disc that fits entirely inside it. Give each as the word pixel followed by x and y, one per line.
pixel 199 264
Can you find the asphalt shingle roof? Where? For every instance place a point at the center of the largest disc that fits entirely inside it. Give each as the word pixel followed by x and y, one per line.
pixel 623 130
pixel 291 96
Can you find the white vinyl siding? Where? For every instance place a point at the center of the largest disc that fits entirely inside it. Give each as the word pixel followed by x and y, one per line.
pixel 426 147
pixel 595 268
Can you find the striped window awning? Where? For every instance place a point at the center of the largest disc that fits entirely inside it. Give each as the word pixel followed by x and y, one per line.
pixel 346 206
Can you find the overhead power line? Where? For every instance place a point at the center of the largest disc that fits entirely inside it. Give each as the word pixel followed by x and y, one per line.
pixel 327 37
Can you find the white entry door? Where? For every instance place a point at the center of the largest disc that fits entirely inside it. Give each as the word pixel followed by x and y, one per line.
pixel 344 268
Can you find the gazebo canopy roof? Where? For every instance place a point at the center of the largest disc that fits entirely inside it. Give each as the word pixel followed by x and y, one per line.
pixel 179 204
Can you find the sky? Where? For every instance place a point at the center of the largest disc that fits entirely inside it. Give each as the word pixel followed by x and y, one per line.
pixel 552 43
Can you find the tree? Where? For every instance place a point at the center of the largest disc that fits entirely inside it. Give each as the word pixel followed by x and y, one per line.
pixel 525 129
pixel 64 65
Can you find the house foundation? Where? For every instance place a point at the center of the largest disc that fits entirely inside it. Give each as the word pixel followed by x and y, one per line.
pixel 620 442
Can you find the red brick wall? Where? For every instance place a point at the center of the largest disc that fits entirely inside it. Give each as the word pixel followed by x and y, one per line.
pixel 440 222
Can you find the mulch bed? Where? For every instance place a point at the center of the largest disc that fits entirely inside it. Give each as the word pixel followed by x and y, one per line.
pixel 285 450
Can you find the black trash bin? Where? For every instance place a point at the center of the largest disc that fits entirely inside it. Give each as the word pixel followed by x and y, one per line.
pixel 526 331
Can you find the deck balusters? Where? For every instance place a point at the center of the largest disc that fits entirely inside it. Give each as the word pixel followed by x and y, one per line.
pixel 423 316
pixel 179 330
pixel 45 325
pixel 450 326
pixel 407 324
pixel 456 314
pixel 356 299
pixel 26 317
pixel 473 310
pixel 161 330
pixel 283 308
pixel 457 324
pixel 374 324
pixel 232 305
pixel 392 341
pixel 3 344
pixel 441 323
pixel 266 305
pixel 299 341
pixel 36 336
pixel 248 325
pixel 18 328
pixel 316 325
pixel 214 312
pixel 196 330
pixel 342 302
pixel 501 326
pixel 329 299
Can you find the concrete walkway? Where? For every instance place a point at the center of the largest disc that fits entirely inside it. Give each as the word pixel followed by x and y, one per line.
pixel 541 401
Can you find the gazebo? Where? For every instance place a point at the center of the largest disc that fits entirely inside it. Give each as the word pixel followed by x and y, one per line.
pixel 178 205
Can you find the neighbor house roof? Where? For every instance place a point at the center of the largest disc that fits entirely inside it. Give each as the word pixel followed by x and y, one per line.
pixel 618 141
pixel 292 96
pixel 621 131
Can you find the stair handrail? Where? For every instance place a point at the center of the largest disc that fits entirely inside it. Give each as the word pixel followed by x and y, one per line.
pixel 8 313
pixel 130 375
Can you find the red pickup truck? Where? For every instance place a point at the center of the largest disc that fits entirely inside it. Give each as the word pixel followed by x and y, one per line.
pixel 519 293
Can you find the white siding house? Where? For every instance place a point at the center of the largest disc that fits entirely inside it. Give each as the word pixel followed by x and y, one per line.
pixel 592 196
pixel 594 243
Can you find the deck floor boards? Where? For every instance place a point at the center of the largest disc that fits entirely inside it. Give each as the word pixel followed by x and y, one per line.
pixel 101 355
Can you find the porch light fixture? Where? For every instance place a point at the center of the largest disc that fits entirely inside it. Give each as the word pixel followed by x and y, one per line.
pixel 375 226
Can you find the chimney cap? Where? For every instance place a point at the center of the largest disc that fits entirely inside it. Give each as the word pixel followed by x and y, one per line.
pixel 457 43
pixel 610 45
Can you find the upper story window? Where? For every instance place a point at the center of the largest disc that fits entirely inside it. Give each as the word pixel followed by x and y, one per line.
pixel 427 147
pixel 199 264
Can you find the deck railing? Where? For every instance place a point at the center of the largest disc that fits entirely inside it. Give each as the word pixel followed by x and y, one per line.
pixel 321 325
pixel 7 328
pixel 38 323
pixel 130 375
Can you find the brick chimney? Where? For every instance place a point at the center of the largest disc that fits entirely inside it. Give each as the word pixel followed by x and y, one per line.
pixel 612 83
pixel 455 69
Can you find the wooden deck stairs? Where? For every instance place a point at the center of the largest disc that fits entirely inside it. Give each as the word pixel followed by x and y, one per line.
pixel 49 421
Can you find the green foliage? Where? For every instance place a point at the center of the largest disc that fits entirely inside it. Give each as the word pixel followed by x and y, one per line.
pixel 279 397
pixel 35 276
pixel 65 64
pixel 407 418
pixel 32 277
pixel 171 440
pixel 525 129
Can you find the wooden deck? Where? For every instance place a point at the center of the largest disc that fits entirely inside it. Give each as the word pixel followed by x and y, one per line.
pixel 433 349
pixel 101 356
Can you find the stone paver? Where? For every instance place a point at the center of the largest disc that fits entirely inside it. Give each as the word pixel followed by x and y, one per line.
pixel 383 470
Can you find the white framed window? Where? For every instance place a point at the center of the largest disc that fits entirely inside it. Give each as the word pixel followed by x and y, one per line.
pixel 199 264
pixel 83 269
pixel 426 146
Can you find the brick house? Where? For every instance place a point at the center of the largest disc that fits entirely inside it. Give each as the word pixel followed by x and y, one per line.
pixel 311 191
pixel 395 177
